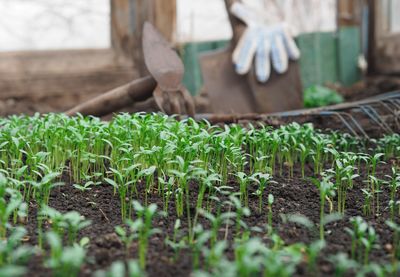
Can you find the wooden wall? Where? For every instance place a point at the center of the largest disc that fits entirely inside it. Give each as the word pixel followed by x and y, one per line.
pixel 127 18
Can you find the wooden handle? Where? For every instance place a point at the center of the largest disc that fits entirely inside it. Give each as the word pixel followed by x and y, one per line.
pixel 112 101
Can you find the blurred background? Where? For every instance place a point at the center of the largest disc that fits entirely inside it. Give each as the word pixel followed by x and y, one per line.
pixel 55 54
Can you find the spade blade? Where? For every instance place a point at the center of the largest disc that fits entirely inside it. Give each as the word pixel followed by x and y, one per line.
pixel 161 60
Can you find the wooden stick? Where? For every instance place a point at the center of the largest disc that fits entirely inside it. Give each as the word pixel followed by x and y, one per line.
pixel 111 101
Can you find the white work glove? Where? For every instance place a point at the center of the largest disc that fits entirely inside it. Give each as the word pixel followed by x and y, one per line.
pixel 262 40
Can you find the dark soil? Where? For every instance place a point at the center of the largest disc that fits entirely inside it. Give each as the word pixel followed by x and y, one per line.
pixel 292 196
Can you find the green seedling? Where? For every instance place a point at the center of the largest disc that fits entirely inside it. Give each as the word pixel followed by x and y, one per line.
pixel 326 191
pixel 120 269
pixel 394 185
pixel 11 206
pixel 263 180
pixel 13 253
pixel 240 212
pixel 313 251
pixel 244 181
pixel 396 239
pixel 363 238
pixel 64 261
pixel 201 237
pixel 178 241
pixel 73 223
pixel 270 202
pixel 144 228
pixel 342 264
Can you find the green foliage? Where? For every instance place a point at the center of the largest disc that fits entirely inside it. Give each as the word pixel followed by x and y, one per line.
pixel 13 254
pixel 319 96
pixel 220 174
pixel 64 261
pixel 363 239
pixel 326 191
pixel 120 269
pixel 139 229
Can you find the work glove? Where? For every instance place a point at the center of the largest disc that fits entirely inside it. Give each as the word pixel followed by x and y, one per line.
pixel 262 41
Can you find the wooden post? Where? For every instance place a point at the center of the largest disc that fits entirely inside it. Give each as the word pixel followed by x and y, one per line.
pixel 349 12
pixel 165 17
pixel 127 19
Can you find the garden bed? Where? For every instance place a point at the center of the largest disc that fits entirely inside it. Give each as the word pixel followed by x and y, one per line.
pixel 259 213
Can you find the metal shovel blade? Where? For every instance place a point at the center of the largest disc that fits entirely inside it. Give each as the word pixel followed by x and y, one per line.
pixel 162 62
pixel 167 69
pixel 227 92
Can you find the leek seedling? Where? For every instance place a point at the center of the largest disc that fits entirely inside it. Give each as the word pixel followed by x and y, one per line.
pixel 55 218
pixel 89 183
pixel 313 251
pixel 127 235
pixel 367 202
pixel 144 228
pixel 13 253
pixel 342 264
pixel 376 190
pixel 244 181
pixel 201 237
pixel 176 245
pixel 120 269
pixel 240 211
pixel 375 160
pixel 166 187
pixel 11 206
pixel 206 183
pixel 282 263
pixel 123 185
pixel 43 188
pixel 74 222
pixel 361 235
pixel 326 191
pixel 215 255
pixel 263 180
pixel 64 261
pixel 344 172
pixel 70 223
pixel 396 239
pixel 394 184
pixel 183 174
pixel 304 153
pixel 270 202
pixel 318 157
pixel 359 229
pixel 369 243
pixel 248 260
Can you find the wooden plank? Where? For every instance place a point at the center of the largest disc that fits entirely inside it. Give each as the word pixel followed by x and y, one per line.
pixel 127 19
pixel 63 61
pixel 165 17
pixel 349 12
pixel 121 32
pixel 385 45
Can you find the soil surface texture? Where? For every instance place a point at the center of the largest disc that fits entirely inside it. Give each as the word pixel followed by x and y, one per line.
pixel 292 196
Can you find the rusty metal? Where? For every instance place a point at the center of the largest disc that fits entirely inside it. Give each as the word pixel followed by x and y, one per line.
pixel 167 69
pixel 352 115
pixel 227 91
pixel 372 113
pixel 346 123
pixel 164 83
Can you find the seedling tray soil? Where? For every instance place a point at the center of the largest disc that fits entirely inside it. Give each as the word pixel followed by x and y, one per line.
pixel 228 233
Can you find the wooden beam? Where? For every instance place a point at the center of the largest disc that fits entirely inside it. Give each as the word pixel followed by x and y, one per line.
pixel 121 32
pixel 165 17
pixel 349 12
pixel 127 19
